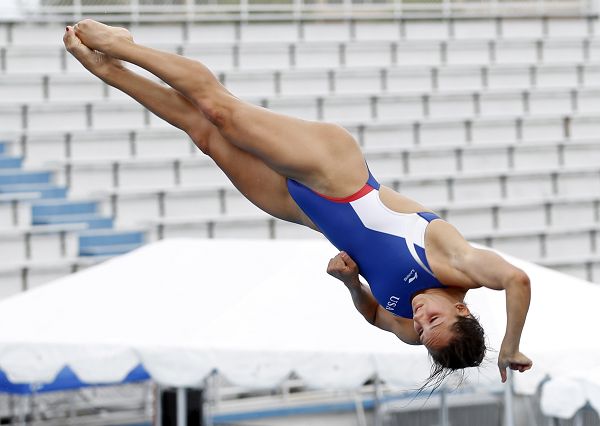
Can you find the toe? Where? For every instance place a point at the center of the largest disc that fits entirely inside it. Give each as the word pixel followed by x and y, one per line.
pixel 72 42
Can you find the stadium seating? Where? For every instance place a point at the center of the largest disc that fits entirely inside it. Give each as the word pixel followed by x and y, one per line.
pixel 493 123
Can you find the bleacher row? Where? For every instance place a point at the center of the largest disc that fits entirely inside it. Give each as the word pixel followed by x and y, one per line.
pixel 492 123
pixel 310 55
pixel 397 29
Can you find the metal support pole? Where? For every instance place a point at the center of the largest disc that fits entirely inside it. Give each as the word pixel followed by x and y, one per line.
pixel 444 416
pixel 509 419
pixel 378 411
pixel 23 411
pixel 361 419
pixel 157 405
pixel 181 407
pixel 211 397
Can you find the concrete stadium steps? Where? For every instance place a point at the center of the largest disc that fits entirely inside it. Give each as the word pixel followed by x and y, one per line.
pixel 64 241
pixel 133 207
pixel 534 243
pixel 584 267
pixel 76 116
pixel 69 211
pixel 109 242
pixel 40 148
pixel 491 122
pixel 401 157
pixel 220 56
pixel 257 85
pixel 21 34
pixel 22 276
pixel 49 242
pixel 38 222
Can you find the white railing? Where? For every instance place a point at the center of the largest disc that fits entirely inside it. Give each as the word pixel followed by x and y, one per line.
pixel 246 10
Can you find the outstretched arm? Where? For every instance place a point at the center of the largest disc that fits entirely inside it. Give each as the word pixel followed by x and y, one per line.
pixel 345 269
pixel 492 271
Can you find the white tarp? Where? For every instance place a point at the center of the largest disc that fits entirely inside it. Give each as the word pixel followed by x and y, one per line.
pixel 581 386
pixel 257 310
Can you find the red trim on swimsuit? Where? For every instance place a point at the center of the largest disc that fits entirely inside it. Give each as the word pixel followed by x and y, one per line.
pixel 358 194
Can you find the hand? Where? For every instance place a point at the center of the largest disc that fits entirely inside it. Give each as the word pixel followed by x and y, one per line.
pixel 513 360
pixel 343 267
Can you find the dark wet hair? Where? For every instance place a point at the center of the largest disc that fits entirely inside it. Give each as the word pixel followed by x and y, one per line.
pixel 466 349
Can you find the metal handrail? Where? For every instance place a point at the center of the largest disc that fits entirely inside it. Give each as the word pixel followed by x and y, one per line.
pixel 253 10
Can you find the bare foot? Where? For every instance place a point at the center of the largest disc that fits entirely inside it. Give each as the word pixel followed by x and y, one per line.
pixel 101 37
pixel 96 62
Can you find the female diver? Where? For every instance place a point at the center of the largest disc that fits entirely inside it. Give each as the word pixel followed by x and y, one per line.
pixel 418 266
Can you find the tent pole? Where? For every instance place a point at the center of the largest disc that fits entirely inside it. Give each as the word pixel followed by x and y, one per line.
pixel 377 411
pixel 509 419
pixel 361 420
pixel 23 411
pixel 157 405
pixel 207 396
pixel 11 408
pixel 181 407
pixel 444 417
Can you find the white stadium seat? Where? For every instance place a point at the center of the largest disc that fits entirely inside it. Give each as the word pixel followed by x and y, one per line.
pixel 326 31
pixel 485 160
pixel 149 33
pixel 208 32
pixel 484 188
pixel 468 52
pixel 575 212
pixel 357 81
pixel 521 217
pixel 251 32
pixel 22 87
pixel 460 77
pixel 367 30
pixel 522 28
pixel 49 34
pixel 264 56
pixel 516 51
pixel 474 28
pixel 567 51
pixel 567 27
pixel 361 54
pixel 316 55
pixel 425 29
pixel 304 82
pixel 250 84
pixel 471 220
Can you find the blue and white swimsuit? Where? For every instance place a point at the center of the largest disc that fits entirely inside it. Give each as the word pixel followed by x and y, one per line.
pixel 388 247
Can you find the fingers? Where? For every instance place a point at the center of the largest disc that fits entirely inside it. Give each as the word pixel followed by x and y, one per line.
pixel 503 374
pixel 347 259
pixel 336 264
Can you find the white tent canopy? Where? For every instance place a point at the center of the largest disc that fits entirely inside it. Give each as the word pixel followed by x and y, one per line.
pixel 582 388
pixel 256 311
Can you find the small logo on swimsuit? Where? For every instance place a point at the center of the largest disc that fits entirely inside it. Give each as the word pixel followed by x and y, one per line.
pixel 392 303
pixel 412 275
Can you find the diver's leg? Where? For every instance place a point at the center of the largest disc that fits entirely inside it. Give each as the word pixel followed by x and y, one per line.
pixel 321 155
pixel 256 181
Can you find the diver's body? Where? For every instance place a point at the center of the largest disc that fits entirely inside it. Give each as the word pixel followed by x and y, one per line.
pixel 262 152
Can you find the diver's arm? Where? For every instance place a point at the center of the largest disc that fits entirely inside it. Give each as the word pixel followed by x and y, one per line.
pixel 492 271
pixel 345 269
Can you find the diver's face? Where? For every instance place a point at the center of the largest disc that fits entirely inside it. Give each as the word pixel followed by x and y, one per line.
pixel 433 318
